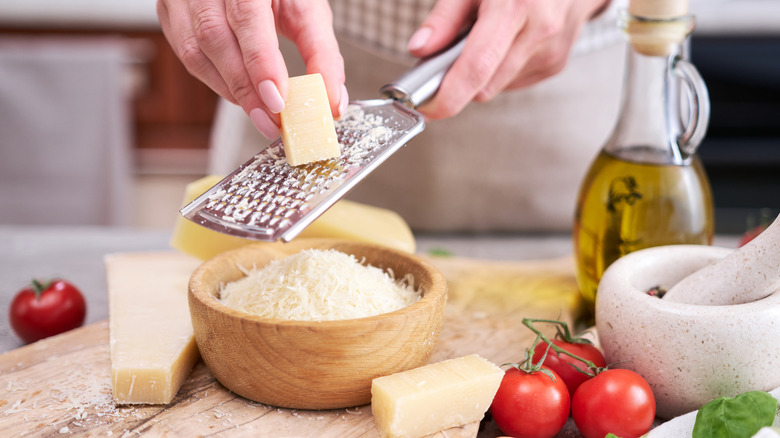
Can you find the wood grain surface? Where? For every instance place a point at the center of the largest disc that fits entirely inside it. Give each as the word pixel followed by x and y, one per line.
pixel 62 385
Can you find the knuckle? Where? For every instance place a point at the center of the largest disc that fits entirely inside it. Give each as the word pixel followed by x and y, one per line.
pixel 191 55
pixel 255 60
pixel 446 107
pixel 485 95
pixel 549 28
pixel 241 12
pixel 482 69
pixel 241 90
pixel 208 25
pixel 552 62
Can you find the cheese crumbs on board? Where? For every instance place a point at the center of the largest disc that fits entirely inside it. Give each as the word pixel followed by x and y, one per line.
pixel 318 285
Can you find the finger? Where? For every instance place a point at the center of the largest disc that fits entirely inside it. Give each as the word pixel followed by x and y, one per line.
pixel 218 43
pixel 252 23
pixel 540 51
pixel 525 64
pixel 445 21
pixel 310 27
pixel 486 46
pixel 177 28
pixel 536 71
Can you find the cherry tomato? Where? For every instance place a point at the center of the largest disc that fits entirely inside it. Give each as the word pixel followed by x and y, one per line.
pixel 531 405
pixel 616 401
pixel 47 309
pixel 560 362
pixel 750 235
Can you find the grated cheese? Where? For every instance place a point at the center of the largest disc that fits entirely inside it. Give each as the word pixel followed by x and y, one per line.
pixel 318 285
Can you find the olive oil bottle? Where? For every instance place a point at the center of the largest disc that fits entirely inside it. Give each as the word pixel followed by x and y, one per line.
pixel 647 187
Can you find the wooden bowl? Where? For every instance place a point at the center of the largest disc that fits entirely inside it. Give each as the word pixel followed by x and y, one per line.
pixel 309 364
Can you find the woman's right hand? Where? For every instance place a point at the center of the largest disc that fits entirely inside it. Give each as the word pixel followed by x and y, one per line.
pixel 233 47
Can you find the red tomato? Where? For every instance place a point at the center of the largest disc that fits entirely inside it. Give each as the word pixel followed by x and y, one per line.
pixel 560 362
pixel 530 405
pixel 616 401
pixel 750 235
pixel 42 310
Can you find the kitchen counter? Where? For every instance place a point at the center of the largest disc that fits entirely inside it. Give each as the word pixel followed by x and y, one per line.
pixel 76 253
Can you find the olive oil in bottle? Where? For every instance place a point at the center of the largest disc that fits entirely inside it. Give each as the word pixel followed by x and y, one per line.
pixel 625 206
pixel 647 187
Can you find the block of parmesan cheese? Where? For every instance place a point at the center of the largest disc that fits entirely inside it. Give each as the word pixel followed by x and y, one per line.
pixel 152 344
pixel 364 223
pixel 344 220
pixel 308 131
pixel 425 400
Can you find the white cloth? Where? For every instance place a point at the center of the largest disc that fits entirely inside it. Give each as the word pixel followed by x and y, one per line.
pixel 64 131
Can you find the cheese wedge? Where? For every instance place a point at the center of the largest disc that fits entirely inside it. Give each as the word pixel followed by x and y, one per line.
pixel 344 220
pixel 425 400
pixel 152 344
pixel 196 240
pixel 308 131
pixel 364 223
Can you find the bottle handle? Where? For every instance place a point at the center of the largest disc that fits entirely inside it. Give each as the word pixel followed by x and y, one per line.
pixel 698 106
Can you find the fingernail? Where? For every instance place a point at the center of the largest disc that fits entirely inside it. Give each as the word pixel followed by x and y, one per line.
pixel 270 95
pixel 264 124
pixel 344 101
pixel 418 40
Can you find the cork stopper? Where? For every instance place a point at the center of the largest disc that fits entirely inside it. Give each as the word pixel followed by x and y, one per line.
pixel 658 9
pixel 655 27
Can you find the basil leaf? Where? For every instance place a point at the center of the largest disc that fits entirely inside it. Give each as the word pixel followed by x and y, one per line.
pixel 741 416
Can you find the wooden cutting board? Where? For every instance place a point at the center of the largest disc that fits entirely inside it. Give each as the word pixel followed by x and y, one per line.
pixel 62 385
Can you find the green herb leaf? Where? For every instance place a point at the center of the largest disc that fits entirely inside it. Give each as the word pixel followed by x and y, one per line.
pixel 440 252
pixel 611 435
pixel 741 416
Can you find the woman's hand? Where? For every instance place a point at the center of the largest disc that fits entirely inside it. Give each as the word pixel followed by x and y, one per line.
pixel 232 46
pixel 512 44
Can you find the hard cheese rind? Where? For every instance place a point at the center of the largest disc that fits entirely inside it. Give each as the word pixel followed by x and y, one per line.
pixel 308 131
pixel 152 344
pixel 434 397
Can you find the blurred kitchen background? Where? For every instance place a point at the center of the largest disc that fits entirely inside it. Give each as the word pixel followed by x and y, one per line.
pixel 101 124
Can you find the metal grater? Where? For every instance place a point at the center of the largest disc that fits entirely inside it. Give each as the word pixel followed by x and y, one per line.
pixel 267 199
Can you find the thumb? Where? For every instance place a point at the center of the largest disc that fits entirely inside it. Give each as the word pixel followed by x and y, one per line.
pixel 445 21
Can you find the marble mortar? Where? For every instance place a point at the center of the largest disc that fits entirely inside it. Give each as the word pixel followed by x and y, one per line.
pixel 690 354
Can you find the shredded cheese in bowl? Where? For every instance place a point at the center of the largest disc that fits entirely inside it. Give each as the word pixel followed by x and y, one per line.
pixel 318 285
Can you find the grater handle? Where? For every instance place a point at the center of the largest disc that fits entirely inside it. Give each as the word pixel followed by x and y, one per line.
pixel 422 81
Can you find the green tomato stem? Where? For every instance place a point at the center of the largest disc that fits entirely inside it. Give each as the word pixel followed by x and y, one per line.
pixel 528 322
pixel 39 287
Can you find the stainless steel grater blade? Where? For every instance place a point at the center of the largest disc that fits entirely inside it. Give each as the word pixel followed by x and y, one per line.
pixel 266 199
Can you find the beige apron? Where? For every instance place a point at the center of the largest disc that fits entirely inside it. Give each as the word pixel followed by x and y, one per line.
pixel 512 164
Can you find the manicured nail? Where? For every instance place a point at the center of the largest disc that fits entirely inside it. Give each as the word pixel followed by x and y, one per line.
pixel 270 95
pixel 344 101
pixel 418 40
pixel 264 124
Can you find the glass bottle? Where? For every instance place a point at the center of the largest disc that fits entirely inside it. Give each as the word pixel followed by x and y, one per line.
pixel 647 187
